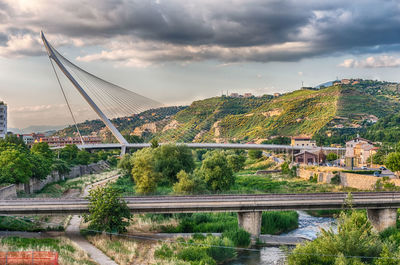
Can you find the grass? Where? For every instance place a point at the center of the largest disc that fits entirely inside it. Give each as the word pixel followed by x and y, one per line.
pixel 10 223
pixel 272 223
pixel 276 183
pixel 125 251
pixel 279 222
pixel 69 252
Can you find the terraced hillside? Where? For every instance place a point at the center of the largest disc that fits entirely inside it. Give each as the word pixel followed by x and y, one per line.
pixel 335 110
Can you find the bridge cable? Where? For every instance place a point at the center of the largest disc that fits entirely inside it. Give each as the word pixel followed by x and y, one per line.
pixel 66 100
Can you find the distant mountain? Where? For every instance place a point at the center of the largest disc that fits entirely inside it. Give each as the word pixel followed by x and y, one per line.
pixel 329 114
pixel 36 129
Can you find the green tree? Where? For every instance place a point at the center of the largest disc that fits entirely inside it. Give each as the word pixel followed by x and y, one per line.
pixel 216 171
pixel 331 157
pixel 393 161
pixel 69 153
pixel 60 166
pixel 15 166
pixel 82 157
pixel 125 164
pixel 170 159
pixel 255 154
pixel 185 184
pixel 133 139
pixel 143 171
pixel 236 162
pixel 41 166
pixel 43 149
pixel 107 210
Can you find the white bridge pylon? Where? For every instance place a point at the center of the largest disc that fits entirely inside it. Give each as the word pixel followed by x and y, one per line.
pixel 52 53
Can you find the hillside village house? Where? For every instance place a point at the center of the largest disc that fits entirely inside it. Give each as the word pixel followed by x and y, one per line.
pixel 308 157
pixel 303 141
pixel 358 151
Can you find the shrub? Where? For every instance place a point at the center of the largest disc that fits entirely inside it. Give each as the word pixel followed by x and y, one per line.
pixel 255 154
pixel 239 237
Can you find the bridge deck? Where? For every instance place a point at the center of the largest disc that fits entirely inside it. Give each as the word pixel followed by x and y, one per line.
pixel 211 203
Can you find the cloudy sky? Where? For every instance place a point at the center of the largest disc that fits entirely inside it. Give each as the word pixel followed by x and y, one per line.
pixel 178 51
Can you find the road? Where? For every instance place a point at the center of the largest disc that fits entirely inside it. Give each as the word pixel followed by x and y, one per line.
pixel 211 203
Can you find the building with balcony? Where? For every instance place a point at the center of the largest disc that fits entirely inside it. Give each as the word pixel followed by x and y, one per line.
pixel 3 119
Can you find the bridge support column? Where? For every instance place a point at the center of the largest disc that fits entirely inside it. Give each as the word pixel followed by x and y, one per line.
pixel 382 218
pixel 251 222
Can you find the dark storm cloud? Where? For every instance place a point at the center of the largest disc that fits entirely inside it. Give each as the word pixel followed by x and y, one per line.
pixel 254 30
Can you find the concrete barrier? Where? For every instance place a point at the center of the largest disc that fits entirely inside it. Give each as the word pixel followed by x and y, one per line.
pixel 37 184
pixel 8 192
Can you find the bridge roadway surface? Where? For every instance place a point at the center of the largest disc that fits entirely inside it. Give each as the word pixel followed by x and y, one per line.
pixel 211 203
pixel 210 146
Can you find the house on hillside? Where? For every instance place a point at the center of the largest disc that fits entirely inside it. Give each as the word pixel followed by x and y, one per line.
pixel 308 157
pixel 302 141
pixel 358 151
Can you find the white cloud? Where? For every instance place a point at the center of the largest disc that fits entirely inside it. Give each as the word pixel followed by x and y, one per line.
pixel 381 61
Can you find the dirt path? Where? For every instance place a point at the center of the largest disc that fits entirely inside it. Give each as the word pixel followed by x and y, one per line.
pixel 73 231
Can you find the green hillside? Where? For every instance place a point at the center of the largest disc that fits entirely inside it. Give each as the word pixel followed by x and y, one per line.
pixel 329 114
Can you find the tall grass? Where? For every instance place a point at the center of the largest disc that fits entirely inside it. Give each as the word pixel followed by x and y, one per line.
pixel 279 222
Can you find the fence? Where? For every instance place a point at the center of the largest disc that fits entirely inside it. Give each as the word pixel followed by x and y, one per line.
pixel 28 258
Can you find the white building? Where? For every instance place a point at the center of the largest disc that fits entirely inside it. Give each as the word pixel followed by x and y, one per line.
pixel 3 119
pixel 303 141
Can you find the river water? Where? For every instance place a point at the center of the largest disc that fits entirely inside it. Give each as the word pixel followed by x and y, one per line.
pixel 309 228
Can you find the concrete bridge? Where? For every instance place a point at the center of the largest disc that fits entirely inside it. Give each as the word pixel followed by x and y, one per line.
pixel 278 147
pixel 381 206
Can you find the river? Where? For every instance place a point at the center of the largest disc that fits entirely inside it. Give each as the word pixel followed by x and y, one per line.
pixel 309 227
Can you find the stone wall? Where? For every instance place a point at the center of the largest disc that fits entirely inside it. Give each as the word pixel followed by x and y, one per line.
pixel 358 181
pixel 76 171
pixel 8 192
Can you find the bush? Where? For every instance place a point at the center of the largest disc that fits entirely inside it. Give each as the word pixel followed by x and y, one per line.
pixel 336 180
pixel 255 154
pixel 239 237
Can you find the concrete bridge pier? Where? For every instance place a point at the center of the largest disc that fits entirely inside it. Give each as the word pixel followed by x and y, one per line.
pixel 382 218
pixel 251 222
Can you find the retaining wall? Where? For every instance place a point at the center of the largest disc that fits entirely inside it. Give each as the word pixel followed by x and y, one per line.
pixel 8 192
pixel 358 181
pixel 76 171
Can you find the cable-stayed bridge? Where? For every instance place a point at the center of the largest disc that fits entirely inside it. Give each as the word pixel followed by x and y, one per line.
pixel 111 101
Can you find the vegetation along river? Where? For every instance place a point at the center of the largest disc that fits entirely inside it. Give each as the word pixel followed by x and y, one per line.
pixel 309 227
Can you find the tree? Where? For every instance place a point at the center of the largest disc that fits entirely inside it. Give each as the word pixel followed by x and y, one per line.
pixel 236 162
pixel 216 172
pixel 189 184
pixel 143 171
pixel 255 154
pixel 107 211
pixel 393 161
pixel 15 166
pixel 60 166
pixel 83 157
pixel 42 149
pixel 41 166
pixel 170 159
pixel 125 164
pixel 69 153
pixel 185 184
pixel 331 157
